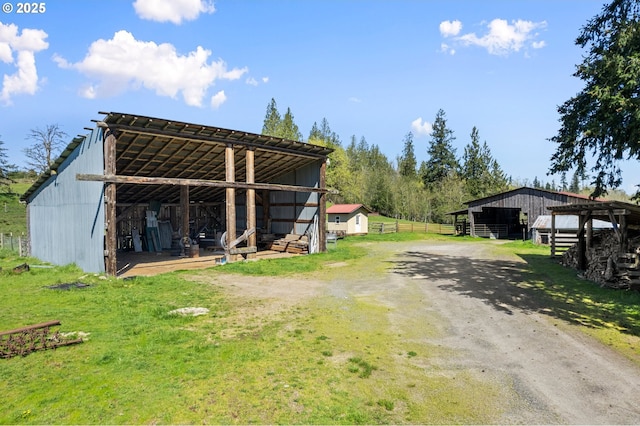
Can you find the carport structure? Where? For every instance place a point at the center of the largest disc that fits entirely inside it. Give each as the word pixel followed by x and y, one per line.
pixel 130 160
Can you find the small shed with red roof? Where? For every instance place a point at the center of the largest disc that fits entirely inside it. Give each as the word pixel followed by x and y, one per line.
pixel 348 219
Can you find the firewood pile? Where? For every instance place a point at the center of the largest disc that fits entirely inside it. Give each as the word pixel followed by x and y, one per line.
pixel 290 243
pixel 607 264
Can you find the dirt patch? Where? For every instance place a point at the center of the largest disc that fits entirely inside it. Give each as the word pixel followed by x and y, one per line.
pixel 257 301
pixel 473 306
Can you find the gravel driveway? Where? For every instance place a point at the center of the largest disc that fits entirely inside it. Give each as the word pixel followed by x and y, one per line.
pixel 472 298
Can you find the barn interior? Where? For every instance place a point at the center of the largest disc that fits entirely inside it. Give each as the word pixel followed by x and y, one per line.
pixel 185 191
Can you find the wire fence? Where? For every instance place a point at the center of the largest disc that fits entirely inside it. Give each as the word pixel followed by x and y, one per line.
pixel 15 243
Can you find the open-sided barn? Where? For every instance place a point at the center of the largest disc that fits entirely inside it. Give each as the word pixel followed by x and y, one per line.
pixel 132 173
pixel 511 213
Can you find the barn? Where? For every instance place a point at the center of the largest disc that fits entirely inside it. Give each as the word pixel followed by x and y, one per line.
pixel 348 219
pixel 510 214
pixel 138 184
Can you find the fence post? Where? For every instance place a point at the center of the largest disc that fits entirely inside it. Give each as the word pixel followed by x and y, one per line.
pixel 382 228
pixel 11 237
pixel 397 226
pixel 20 246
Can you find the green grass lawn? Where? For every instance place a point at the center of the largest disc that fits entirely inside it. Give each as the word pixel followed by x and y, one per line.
pixel 13 214
pixel 322 362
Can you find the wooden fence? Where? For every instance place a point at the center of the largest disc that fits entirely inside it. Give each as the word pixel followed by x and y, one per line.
pixel 17 243
pixel 391 227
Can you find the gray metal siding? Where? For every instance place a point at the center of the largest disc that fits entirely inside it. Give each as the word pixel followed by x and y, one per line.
pixel 66 216
pixel 294 217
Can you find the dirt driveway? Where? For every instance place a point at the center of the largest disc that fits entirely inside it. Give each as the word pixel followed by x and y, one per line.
pixel 463 298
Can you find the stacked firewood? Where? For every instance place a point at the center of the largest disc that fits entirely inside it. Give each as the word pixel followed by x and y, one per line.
pixel 290 243
pixel 608 264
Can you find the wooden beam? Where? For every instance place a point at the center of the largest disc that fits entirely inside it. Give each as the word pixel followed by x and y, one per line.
pixel 230 196
pixel 184 216
pixel 322 209
pixel 110 246
pixel 252 241
pixel 147 180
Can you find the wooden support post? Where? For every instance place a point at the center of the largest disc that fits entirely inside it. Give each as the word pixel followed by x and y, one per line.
pixel 582 247
pixel 184 220
pixel 230 173
pixel 590 232
pixel 624 235
pixel 251 201
pixel 553 234
pixel 110 249
pixel 322 209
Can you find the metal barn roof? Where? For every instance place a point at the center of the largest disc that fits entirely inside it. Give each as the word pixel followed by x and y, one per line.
pixel 567 222
pixel 155 147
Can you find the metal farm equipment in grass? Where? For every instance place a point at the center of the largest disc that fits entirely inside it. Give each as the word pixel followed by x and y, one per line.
pixel 23 341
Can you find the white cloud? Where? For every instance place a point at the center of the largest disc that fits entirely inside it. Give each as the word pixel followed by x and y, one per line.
pixel 355 100
pixel 251 81
pixel 450 28
pixel 218 99
pixel 444 47
pixel 26 44
pixel 501 38
pixel 126 63
pixel 174 11
pixel 265 79
pixel 421 127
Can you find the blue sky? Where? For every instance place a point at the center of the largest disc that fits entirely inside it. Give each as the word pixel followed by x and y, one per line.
pixel 377 69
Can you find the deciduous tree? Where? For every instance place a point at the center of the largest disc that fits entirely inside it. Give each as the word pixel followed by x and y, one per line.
pixel 47 145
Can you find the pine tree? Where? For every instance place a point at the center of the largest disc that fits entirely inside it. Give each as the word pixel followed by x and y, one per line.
pixel 407 162
pixel 272 119
pixel 288 129
pixel 5 169
pixel 536 183
pixel 442 158
pixel 575 183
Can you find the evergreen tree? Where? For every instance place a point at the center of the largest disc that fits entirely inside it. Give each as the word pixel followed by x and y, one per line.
pixel 288 129
pixel 575 183
pixel 407 162
pixel 5 168
pixel 481 172
pixel 536 183
pixel 324 133
pixel 442 157
pixel 272 119
pixel 603 120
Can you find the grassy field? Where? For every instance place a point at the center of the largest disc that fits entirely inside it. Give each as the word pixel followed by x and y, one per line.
pixel 13 216
pixel 142 365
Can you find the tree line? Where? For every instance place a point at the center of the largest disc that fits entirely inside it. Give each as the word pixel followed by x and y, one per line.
pixel 401 188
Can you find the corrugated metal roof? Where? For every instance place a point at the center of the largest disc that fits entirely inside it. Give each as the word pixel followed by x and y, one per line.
pixel 567 222
pixel 156 147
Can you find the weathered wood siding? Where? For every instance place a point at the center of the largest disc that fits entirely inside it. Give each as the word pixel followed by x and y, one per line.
pixel 532 202
pixel 66 216
pixel 294 212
